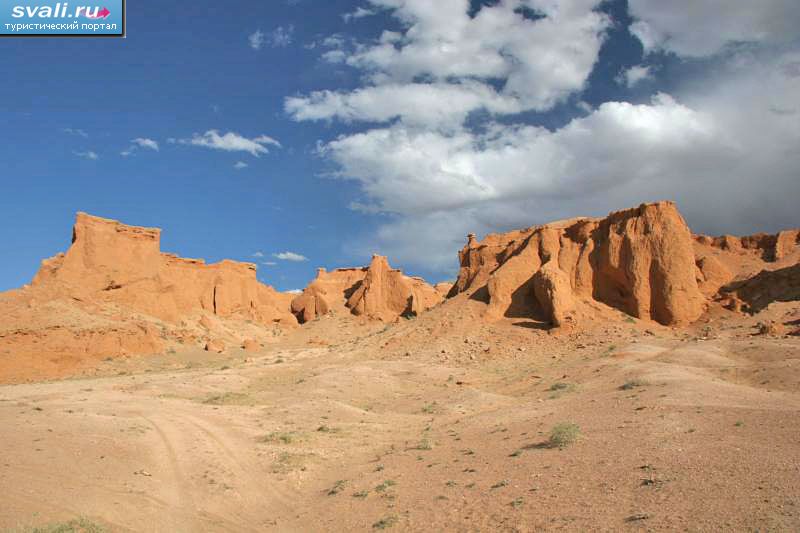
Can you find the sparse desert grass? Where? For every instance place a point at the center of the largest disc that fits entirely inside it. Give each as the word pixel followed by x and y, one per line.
pixel 431 408
pixel 383 487
pixel 361 494
pixel 78 525
pixel 385 522
pixel 609 351
pixel 282 437
pixel 559 388
pixel 337 487
pixel 289 462
pixel 228 398
pixel 423 445
pixel 564 434
pixel 633 384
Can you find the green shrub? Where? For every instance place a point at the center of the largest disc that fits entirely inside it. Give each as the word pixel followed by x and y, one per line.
pixel 564 434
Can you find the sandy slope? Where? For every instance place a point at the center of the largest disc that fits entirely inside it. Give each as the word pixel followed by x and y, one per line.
pixel 382 428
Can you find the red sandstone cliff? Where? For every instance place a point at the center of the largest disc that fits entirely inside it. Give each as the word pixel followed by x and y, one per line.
pixel 377 292
pixel 639 261
pixel 748 273
pixel 114 293
pixel 112 262
pixel 643 261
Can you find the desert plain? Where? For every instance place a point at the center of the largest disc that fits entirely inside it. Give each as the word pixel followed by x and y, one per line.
pixel 619 374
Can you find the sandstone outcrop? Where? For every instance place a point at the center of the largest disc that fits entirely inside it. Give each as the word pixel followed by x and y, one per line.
pixel 115 294
pixel 113 262
pixel 215 345
pixel 327 293
pixel 551 288
pixel 639 261
pixel 756 293
pixel 377 292
pixel 443 288
pixel 386 293
pixel 712 275
pixel 767 247
pixel 749 273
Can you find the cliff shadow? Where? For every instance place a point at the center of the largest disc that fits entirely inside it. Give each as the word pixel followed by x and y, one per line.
pixel 524 303
pixel 610 285
pixel 766 287
pixel 481 295
pixel 349 292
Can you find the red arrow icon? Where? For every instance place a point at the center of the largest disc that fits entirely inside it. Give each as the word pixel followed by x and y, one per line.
pixel 103 13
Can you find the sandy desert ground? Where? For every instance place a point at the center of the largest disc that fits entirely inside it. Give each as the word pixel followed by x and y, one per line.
pixel 378 428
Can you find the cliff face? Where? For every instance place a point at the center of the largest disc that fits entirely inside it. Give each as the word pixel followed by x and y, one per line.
pixel 328 292
pixel 377 292
pixel 639 261
pixel 112 262
pixel 114 293
pixel 748 273
pixel 386 294
pixel 768 247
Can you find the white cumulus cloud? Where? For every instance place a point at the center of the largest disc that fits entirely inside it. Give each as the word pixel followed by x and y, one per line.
pixel 635 75
pixel 140 143
pixel 360 12
pixel 696 28
pixel 143 142
pixel 76 131
pixel 256 39
pixel 88 155
pixel 282 36
pixel 290 256
pixel 541 61
pixel 232 142
pixel 723 144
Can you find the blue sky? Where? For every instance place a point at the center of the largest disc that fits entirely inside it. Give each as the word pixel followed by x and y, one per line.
pixel 640 107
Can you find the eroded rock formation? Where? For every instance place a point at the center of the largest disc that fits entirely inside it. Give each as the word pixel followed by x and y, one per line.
pixel 767 247
pixel 113 262
pixel 551 288
pixel 639 261
pixel 749 273
pixel 114 293
pixel 377 292
pixel 386 293
pixel 328 292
